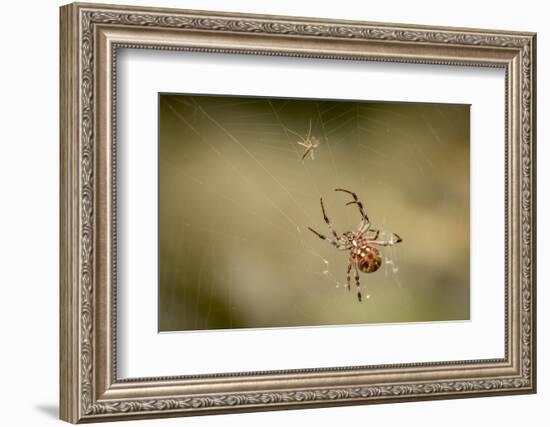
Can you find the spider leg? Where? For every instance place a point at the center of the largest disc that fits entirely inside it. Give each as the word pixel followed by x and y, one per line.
pixel 364 226
pixel 338 245
pixel 328 221
pixel 348 277
pixel 332 242
pixel 303 144
pixel 357 202
pixel 377 233
pixel 309 131
pixel 390 242
pixel 357 283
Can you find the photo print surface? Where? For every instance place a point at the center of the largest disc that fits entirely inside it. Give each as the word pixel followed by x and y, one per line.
pixel 282 212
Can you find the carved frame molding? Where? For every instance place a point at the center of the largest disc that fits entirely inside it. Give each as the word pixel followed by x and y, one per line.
pixel 90 37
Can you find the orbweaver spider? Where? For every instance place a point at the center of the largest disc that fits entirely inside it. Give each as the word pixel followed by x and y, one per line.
pixel 363 255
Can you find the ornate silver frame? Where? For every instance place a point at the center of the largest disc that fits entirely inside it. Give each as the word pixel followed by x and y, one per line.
pixel 90 36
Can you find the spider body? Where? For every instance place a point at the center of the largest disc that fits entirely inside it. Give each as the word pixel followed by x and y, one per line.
pixel 367 258
pixel 363 254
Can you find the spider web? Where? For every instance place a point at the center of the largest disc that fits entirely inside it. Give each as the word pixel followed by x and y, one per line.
pixel 236 201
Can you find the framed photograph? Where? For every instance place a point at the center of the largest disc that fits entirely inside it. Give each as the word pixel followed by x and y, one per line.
pixel 267 212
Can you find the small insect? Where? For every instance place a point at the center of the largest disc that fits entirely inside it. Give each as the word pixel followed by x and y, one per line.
pixel 309 142
pixel 363 254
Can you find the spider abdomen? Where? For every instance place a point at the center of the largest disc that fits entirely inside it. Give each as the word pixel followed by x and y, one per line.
pixel 367 258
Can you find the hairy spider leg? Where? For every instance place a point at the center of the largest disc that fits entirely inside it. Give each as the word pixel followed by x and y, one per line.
pixel 327 220
pixel 334 243
pixel 390 242
pixel 357 282
pixel 365 222
pixel 350 265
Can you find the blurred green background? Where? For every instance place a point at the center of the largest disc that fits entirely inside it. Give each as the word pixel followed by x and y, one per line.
pixel 236 200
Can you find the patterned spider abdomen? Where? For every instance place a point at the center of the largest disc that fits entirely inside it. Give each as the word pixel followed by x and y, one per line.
pixel 367 258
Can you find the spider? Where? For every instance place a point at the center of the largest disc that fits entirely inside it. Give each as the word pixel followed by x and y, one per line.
pixel 363 255
pixel 309 142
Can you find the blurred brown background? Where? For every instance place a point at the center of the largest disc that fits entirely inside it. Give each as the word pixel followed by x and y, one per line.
pixel 236 200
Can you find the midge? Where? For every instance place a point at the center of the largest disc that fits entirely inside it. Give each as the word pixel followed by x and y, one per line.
pixel 363 255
